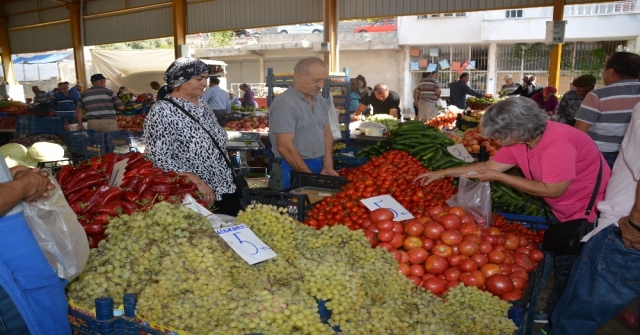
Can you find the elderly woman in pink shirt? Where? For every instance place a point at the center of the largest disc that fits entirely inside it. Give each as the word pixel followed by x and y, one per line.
pixel 560 164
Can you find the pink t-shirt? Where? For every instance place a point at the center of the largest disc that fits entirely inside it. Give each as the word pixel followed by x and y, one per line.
pixel 563 153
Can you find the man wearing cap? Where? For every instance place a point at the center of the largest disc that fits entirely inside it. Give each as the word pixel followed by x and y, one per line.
pixel 572 99
pixel 510 85
pixel 547 100
pixel 605 113
pixel 100 104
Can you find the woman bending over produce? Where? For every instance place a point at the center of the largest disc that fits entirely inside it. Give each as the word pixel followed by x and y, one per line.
pixel 560 165
pixel 180 131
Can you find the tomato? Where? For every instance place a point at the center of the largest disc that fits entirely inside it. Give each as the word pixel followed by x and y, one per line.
pixel 416 280
pixel 455 260
pixel 417 256
pixel 485 248
pixel 404 268
pixel 413 228
pixel 457 210
pixel 411 242
pixel 452 273
pixel 398 240
pixel 489 270
pixel 519 283
pixel 496 256
pixel 514 295
pixel 450 221
pixel 468 248
pixel 427 243
pixel 451 237
pixel 524 261
pixel 512 242
pixel 480 259
pixel 417 270
pixel 384 225
pixel 499 284
pixel 468 265
pixel 536 255
pixel 436 264
pixel 433 230
pixel 473 278
pixel 435 285
pixel 386 235
pixel 380 214
pixel 469 228
pixel 442 250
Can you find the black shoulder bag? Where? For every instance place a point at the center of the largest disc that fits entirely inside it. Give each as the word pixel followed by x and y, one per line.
pixel 564 238
pixel 238 180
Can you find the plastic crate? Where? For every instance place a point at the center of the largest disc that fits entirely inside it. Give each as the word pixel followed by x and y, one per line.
pixel 96 145
pixel 297 204
pixel 119 138
pixel 75 140
pixel 300 179
pixel 55 166
pixel 342 161
pixel 103 322
pixel 531 222
pixel 47 125
pixel 23 125
pixel 523 311
pixel 7 122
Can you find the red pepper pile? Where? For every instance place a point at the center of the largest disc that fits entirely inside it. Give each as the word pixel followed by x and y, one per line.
pixel 87 190
pixel 392 173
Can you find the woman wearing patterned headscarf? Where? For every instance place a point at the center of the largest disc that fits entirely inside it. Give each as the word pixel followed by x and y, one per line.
pixel 179 131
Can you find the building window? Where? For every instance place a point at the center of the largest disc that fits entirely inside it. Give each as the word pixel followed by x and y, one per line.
pixel 513 13
pixel 427 16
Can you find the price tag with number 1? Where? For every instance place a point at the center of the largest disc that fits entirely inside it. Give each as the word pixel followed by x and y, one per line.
pixel 246 244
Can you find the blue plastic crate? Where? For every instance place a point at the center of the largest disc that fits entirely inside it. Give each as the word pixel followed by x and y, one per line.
pixel 531 222
pixel 96 145
pixel 119 138
pixel 340 160
pixel 104 322
pixel 23 125
pixel 47 125
pixel 75 140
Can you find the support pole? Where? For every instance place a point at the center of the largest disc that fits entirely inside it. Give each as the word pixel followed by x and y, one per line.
pixel 555 56
pixel 7 65
pixel 331 34
pixel 179 26
pixel 77 26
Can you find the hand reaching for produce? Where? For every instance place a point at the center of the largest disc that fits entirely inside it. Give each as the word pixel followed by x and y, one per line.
pixel 329 172
pixel 206 193
pixel 37 184
pixel 630 236
pixel 429 177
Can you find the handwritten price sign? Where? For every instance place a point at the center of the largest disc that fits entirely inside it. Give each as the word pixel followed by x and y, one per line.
pixel 246 244
pixel 458 151
pixel 386 201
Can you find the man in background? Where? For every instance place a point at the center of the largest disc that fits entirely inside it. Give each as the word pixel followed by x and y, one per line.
pixel 162 90
pixel 100 104
pixel 426 95
pixel 41 100
pixel 383 101
pixel 64 103
pixel 605 113
pixel 572 99
pixel 510 85
pixel 218 99
pixel 528 87
pixel 459 90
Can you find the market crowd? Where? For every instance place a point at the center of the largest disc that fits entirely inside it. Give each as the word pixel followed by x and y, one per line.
pixel 565 160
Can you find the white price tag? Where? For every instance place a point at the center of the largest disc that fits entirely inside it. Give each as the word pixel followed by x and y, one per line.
pixel 386 201
pixel 117 174
pixel 459 152
pixel 246 244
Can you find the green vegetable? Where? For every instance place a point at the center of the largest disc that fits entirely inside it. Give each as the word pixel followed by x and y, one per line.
pixel 390 122
pixel 14 150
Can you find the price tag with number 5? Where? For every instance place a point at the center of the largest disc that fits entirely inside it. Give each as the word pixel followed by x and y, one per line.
pixel 246 244
pixel 386 201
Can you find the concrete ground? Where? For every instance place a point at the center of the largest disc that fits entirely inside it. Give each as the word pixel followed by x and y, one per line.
pixel 613 327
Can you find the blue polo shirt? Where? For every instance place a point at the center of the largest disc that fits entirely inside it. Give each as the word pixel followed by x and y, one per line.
pixel 64 103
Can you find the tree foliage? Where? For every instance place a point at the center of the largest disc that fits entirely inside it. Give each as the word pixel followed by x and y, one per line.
pixel 157 43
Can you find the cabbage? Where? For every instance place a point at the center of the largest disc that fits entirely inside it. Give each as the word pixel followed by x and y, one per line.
pixel 13 150
pixel 14 162
pixel 46 152
pixel 30 162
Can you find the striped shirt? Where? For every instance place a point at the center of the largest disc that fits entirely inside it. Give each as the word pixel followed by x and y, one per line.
pixel 100 103
pixel 608 110
pixel 64 103
pixel 428 87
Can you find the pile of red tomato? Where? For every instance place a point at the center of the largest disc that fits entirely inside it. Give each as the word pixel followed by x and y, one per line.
pixel 390 173
pixel 446 248
pixel 517 229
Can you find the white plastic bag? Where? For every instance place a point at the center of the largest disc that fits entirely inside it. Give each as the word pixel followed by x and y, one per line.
pixel 334 123
pixel 58 232
pixel 217 220
pixel 475 198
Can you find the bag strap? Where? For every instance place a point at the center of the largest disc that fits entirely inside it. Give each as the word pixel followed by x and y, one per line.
pixel 213 139
pixel 591 201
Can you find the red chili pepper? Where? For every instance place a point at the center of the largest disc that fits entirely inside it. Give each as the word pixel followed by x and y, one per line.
pixel 163 179
pixel 62 175
pixel 94 229
pixel 175 199
pixel 80 177
pixel 102 219
pixel 128 207
pixel 163 188
pixel 89 195
pixel 172 174
pixel 144 185
pixel 76 196
pixel 83 220
pixel 134 157
pixel 96 197
pixel 108 160
pixel 78 207
pixel 190 187
pixel 142 163
pixel 147 172
pixel 130 196
pixel 133 184
pixel 183 193
pixel 111 209
pixel 85 183
pixel 112 194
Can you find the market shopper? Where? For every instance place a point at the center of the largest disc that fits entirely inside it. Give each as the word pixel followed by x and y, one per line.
pixel 459 91
pixel 162 90
pixel 41 100
pixel 248 96
pixel 383 101
pixel 547 100
pixel 363 89
pixel 354 95
pixel 605 277
pixel 559 163
pixel 180 131
pixel 528 87
pixel 64 103
pixel 100 104
pixel 32 297
pixel 509 85
pixel 299 123
pixel 218 100
pixel 572 99
pixel 427 94
pixel 605 112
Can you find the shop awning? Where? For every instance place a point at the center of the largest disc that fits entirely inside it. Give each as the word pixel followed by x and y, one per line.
pixel 41 59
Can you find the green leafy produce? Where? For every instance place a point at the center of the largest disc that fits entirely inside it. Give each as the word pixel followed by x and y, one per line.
pixel 384 119
pixel 14 150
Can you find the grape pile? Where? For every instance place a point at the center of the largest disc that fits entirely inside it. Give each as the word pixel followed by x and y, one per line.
pixel 188 278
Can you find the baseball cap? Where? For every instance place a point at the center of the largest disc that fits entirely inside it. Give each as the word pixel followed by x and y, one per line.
pixel 97 76
pixel 508 76
pixel 584 81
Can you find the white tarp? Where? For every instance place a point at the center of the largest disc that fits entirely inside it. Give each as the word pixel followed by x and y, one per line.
pixel 134 69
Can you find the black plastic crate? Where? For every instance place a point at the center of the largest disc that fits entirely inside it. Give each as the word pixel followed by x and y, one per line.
pixel 55 166
pixel 297 204
pixel 300 179
pixel 75 140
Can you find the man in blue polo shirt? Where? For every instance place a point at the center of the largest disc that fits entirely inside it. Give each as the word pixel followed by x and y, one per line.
pixel 64 103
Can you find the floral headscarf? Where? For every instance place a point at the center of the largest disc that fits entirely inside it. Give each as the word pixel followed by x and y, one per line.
pixel 182 70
